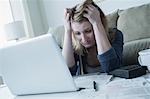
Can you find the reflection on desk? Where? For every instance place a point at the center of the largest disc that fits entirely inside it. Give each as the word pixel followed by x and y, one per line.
pixel 119 88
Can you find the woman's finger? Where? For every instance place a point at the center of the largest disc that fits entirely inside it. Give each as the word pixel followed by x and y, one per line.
pixel 67 16
pixel 86 15
pixel 88 11
pixel 65 12
pixel 90 6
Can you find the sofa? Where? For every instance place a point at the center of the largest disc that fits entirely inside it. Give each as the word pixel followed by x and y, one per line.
pixel 135 25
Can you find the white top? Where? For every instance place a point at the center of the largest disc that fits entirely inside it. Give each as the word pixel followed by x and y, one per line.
pixel 145 52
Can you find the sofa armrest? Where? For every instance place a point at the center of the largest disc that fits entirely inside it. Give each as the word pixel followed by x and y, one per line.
pixel 131 49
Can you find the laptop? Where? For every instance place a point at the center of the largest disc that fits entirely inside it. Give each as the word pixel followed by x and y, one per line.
pixel 35 66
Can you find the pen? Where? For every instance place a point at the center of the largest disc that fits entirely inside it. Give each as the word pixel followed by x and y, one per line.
pixel 80 89
pixel 111 79
pixel 95 86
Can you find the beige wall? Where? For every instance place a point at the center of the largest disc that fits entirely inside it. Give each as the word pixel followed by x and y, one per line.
pixel 54 9
pixel 50 13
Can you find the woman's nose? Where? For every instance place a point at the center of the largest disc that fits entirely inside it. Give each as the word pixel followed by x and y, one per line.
pixel 83 37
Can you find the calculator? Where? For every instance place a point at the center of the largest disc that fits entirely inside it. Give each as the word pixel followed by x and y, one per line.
pixel 130 71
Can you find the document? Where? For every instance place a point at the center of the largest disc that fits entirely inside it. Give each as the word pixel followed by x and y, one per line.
pixel 128 83
pixel 131 97
pixel 126 87
pixel 87 80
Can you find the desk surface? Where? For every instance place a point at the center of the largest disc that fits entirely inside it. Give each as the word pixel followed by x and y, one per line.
pixel 119 88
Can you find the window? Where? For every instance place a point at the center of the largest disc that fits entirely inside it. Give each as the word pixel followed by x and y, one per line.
pixel 10 10
pixel 5 17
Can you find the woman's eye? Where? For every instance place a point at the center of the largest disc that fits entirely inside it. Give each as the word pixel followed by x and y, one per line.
pixel 88 31
pixel 77 33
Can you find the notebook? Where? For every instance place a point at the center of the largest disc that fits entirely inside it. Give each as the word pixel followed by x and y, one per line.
pixel 35 66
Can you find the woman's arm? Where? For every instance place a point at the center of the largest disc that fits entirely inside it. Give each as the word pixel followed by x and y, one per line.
pixel 101 38
pixel 112 58
pixel 102 41
pixel 67 50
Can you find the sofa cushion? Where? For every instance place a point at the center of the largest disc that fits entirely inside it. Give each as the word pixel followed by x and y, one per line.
pixel 135 23
pixel 58 33
pixel 112 19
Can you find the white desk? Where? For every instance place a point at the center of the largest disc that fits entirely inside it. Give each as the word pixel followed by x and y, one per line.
pixel 119 88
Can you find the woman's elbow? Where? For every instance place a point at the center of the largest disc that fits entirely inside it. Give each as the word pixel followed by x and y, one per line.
pixel 110 66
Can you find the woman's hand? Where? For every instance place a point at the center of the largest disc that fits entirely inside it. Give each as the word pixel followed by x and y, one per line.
pixel 92 14
pixel 67 21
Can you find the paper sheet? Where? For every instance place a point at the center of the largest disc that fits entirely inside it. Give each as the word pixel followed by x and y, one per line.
pixel 126 87
pixel 128 83
pixel 87 81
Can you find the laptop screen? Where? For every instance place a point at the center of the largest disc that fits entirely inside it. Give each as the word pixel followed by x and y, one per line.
pixel 36 66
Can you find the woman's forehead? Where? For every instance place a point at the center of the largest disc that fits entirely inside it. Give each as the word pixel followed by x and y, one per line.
pixel 76 26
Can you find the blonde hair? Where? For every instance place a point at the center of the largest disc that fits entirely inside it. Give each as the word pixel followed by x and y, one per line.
pixel 77 16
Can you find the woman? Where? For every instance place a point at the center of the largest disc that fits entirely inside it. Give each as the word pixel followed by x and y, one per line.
pixel 88 47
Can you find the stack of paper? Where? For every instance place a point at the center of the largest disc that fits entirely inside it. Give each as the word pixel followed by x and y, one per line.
pixel 126 88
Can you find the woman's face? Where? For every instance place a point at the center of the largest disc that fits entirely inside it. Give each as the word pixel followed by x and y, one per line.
pixel 83 32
